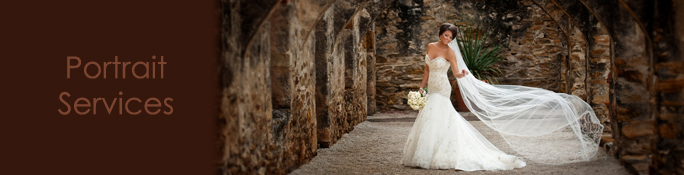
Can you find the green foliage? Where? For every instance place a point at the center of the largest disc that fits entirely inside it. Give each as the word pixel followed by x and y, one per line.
pixel 477 55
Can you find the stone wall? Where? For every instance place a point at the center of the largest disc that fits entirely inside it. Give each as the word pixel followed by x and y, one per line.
pixel 283 68
pixel 294 117
pixel 534 45
pixel 296 75
pixel 620 56
pixel 369 45
pixel 545 47
pixel 536 48
pixel 342 53
pixel 402 34
pixel 585 72
pixel 329 82
pixel 668 44
pixel 627 42
pixel 355 70
pixel 245 113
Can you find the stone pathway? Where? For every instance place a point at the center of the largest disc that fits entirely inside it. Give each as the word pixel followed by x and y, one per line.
pixel 375 147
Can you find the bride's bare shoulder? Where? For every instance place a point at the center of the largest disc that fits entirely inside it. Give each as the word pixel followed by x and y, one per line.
pixel 451 54
pixel 430 45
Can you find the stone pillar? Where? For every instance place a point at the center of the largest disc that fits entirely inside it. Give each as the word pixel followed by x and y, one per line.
pixel 337 56
pixel 369 45
pixel 282 75
pixel 283 24
pixel 668 34
pixel 354 74
pixel 347 38
pixel 632 92
pixel 245 110
pixel 630 79
pixel 577 64
pixel 361 66
pixel 294 117
pixel 598 74
pixel 329 81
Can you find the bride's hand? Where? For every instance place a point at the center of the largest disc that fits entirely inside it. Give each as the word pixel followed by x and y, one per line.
pixel 420 90
pixel 462 74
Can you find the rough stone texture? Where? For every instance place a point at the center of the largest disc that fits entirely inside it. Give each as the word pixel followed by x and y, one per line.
pixel 309 13
pixel 249 16
pixel 642 35
pixel 343 49
pixel 535 46
pixel 631 86
pixel 402 34
pixel 598 75
pixel 534 53
pixel 590 77
pixel 294 117
pixel 283 26
pixel 355 72
pixel 668 44
pixel 268 113
pixel 329 81
pixel 577 63
pixel 592 70
pixel 369 45
pixel 344 11
pixel 622 56
pixel 302 133
pixel 245 117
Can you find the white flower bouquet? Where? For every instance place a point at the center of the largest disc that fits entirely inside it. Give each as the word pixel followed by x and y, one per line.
pixel 417 100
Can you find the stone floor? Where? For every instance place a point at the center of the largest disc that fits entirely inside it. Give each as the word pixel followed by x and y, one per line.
pixel 375 147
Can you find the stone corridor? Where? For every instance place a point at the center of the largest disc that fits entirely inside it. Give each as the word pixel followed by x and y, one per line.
pixel 375 147
pixel 300 79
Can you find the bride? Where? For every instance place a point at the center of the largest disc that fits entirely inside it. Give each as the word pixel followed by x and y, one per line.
pixel 540 125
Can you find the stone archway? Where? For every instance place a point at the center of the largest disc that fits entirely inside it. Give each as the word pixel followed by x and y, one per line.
pixel 612 63
pixel 298 73
pixel 271 80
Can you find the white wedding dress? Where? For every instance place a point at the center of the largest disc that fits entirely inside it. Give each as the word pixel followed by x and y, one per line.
pixel 442 139
pixel 540 125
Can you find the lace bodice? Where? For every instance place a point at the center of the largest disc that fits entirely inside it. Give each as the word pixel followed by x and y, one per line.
pixel 438 82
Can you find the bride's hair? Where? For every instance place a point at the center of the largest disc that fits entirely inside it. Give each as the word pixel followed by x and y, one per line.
pixel 448 27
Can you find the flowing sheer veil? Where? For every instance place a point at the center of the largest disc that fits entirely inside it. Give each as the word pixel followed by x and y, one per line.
pixel 541 125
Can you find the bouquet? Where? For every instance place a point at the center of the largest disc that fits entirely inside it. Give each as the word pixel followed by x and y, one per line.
pixel 417 100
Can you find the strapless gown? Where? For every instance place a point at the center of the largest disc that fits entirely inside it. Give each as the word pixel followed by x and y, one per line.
pixel 442 139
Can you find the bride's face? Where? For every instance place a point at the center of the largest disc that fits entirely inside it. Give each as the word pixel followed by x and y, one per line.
pixel 445 37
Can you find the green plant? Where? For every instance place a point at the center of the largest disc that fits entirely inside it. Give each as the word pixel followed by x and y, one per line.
pixel 477 54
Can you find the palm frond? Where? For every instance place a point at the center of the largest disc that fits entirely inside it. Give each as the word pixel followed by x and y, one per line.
pixel 478 56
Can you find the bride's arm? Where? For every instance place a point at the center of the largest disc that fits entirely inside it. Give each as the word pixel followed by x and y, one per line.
pixel 426 75
pixel 454 67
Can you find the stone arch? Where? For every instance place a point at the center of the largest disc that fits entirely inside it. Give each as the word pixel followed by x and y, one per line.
pixel 389 90
pixel 288 48
pixel 635 104
pixel 268 120
pixel 252 25
pixel 598 53
pixel 341 67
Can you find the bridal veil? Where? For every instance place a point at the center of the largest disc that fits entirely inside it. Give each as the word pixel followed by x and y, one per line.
pixel 540 125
